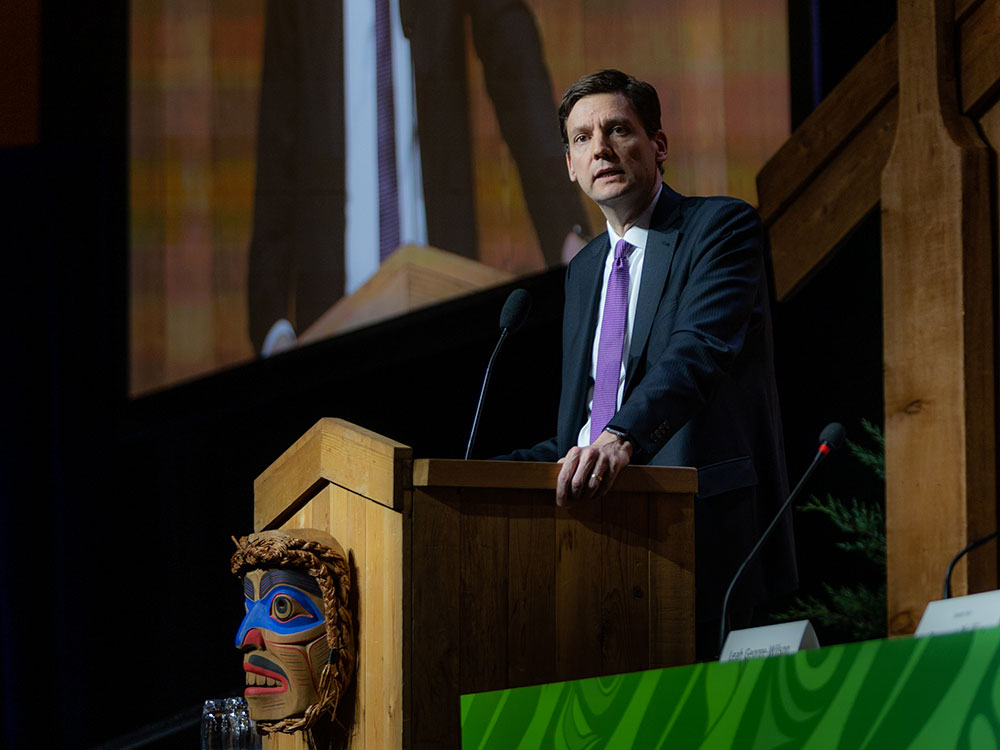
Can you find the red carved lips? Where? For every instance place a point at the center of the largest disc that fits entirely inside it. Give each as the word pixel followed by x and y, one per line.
pixel 263 677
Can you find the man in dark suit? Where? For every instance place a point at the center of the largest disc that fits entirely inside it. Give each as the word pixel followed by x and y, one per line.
pixel 695 379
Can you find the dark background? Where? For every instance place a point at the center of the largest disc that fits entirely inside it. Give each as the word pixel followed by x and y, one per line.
pixel 116 605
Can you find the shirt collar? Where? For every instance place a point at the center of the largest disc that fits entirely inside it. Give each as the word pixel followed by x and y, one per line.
pixel 636 234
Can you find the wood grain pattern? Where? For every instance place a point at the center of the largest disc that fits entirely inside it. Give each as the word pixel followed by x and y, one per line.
pixel 829 207
pixel 829 129
pixel 671 582
pixel 979 56
pixel 331 451
pixel 483 591
pixel 436 593
pixel 295 741
pixel 372 536
pixel 440 472
pixel 624 571
pixel 483 587
pixel 578 588
pixel 531 614
pixel 383 627
pixel 818 185
pixel 938 301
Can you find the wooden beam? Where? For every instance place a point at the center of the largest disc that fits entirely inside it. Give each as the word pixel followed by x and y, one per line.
pixel 831 204
pixel 818 177
pixel 938 326
pixel 838 119
pixel 979 57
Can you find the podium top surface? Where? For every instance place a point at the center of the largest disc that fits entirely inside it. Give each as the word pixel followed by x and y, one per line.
pixel 437 472
pixel 337 452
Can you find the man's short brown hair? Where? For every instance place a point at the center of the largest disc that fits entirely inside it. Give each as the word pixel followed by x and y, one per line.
pixel 640 95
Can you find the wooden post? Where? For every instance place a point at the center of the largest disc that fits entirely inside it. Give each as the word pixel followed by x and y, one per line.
pixel 938 323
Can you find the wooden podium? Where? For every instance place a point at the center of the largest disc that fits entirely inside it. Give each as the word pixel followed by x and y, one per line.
pixel 469 579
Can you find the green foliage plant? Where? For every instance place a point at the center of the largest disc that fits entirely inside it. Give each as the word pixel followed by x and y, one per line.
pixel 855 611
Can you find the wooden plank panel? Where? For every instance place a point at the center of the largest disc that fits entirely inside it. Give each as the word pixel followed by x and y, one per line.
pixel 331 451
pixel 383 626
pixel 483 591
pixel 372 536
pixel 280 741
pixel 342 514
pixel 831 206
pixel 578 591
pixel 624 583
pixel 531 619
pixel 938 302
pixel 440 472
pixel 436 624
pixel 671 581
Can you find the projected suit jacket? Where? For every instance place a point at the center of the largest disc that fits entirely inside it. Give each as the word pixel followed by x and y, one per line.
pixel 297 249
pixel 699 384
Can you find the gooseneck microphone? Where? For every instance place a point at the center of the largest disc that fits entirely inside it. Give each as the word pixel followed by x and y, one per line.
pixel 831 438
pixel 965 550
pixel 512 317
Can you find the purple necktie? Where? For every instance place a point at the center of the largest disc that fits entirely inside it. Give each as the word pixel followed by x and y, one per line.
pixel 388 202
pixel 609 350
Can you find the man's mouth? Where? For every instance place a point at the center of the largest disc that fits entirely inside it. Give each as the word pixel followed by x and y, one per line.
pixel 263 676
pixel 605 173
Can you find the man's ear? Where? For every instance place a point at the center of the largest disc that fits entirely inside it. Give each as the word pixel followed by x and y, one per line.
pixel 660 142
pixel 569 168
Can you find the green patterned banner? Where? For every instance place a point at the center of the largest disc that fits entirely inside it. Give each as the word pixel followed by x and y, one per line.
pixel 941 692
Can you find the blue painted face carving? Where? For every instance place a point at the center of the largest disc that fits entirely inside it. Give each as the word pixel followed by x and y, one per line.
pixel 283 637
pixel 284 604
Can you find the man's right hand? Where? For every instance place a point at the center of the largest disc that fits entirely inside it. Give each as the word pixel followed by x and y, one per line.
pixel 590 472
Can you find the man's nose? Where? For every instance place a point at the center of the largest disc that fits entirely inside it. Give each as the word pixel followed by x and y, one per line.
pixel 601 147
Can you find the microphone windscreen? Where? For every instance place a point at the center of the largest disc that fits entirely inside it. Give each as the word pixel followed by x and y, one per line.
pixel 832 435
pixel 515 310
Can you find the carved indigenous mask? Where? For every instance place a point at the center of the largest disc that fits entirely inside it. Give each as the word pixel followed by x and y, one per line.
pixel 297 635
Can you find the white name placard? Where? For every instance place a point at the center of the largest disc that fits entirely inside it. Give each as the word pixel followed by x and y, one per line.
pixel 972 612
pixel 769 640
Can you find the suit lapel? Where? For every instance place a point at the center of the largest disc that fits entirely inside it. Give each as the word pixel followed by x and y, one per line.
pixel 589 268
pixel 660 245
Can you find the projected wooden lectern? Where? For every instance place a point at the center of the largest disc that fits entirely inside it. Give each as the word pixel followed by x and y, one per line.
pixel 469 578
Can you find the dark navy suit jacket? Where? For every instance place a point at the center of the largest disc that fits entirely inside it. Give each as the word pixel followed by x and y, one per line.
pixel 699 384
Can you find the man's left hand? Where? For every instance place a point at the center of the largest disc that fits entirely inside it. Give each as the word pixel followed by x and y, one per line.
pixel 590 472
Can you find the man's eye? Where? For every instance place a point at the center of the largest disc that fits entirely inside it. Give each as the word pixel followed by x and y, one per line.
pixel 580 139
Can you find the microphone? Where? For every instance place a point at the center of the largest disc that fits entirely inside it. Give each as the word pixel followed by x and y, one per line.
pixel 965 550
pixel 830 439
pixel 515 312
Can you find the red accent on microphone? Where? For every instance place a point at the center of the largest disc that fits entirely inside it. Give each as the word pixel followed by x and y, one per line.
pixel 824 448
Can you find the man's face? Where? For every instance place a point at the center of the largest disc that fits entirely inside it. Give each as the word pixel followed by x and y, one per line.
pixel 612 156
pixel 283 637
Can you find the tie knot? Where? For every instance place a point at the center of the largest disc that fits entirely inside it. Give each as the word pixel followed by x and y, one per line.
pixel 623 250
